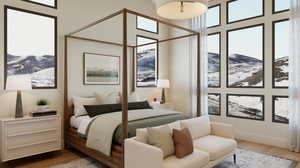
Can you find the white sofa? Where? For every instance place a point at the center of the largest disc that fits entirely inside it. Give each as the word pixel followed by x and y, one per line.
pixel 213 143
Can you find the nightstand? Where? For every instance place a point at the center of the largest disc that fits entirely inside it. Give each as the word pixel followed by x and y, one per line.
pixel 166 106
pixel 27 136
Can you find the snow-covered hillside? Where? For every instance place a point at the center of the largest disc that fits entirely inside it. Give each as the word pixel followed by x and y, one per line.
pixel 146 66
pixel 281 71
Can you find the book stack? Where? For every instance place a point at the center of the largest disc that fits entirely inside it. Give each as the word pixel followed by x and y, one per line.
pixel 44 112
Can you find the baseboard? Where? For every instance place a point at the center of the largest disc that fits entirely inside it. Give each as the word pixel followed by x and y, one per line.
pixel 266 140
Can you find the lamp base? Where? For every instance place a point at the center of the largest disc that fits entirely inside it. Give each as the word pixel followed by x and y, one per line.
pixel 19 106
pixel 163 97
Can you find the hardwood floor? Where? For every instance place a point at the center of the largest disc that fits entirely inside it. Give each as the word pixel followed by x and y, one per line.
pixel 53 158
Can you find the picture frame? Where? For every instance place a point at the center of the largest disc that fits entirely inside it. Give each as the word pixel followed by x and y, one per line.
pixel 101 69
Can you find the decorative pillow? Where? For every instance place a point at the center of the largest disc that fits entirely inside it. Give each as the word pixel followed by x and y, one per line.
pixel 79 102
pixel 198 127
pixel 161 137
pixel 94 110
pixel 139 105
pixel 183 142
pixel 108 98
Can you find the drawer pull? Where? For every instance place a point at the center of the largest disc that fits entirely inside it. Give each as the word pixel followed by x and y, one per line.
pixel 32 132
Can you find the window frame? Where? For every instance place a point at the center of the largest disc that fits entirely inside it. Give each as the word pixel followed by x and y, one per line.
pixel 273 109
pixel 248 95
pixel 263 54
pixel 273 54
pixel 276 12
pixel 220 15
pixel 136 64
pixel 220 60
pixel 220 102
pixel 227 13
pixel 157 26
pixel 6 8
pixel 37 3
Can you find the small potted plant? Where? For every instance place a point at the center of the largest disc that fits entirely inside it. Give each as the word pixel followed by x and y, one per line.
pixel 42 105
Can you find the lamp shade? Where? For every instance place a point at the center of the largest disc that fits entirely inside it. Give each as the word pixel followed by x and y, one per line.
pixel 18 82
pixel 163 83
pixel 180 9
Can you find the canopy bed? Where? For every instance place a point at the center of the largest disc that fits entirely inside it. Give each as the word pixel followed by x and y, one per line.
pixel 71 136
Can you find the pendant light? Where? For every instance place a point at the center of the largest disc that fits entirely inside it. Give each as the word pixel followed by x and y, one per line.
pixel 180 9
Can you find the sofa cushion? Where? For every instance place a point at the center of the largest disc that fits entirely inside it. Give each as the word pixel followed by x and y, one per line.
pixel 161 137
pixel 198 127
pixel 215 146
pixel 183 142
pixel 195 160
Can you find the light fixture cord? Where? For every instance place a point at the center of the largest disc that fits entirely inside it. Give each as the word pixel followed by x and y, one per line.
pixel 181 7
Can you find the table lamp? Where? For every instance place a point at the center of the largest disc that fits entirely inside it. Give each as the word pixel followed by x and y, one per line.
pixel 164 84
pixel 19 83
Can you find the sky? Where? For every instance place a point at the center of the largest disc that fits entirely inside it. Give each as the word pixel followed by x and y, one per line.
pixel 29 34
pixel 213 15
pixel 281 5
pixel 244 9
pixel 213 42
pixel 141 40
pixel 46 2
pixel 147 24
pixel 281 39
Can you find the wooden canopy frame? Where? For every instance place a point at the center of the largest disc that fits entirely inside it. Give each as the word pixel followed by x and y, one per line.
pixel 68 111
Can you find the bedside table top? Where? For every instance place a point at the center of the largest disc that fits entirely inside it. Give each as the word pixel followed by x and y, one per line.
pixel 27 117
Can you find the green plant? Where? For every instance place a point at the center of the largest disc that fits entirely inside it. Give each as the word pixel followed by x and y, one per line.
pixel 42 102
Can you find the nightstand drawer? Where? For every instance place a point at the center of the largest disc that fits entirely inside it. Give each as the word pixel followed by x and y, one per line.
pixel 32 150
pixel 28 126
pixel 32 138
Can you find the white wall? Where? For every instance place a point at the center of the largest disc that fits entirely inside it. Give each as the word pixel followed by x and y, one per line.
pixel 73 14
pixel 265 132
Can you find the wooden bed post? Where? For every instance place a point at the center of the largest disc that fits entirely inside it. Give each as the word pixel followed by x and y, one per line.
pixel 198 76
pixel 124 85
pixel 66 109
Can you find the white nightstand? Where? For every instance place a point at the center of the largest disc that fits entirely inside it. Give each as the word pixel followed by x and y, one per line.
pixel 166 106
pixel 22 137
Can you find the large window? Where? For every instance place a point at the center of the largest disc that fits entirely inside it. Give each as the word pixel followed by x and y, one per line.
pixel 280 53
pixel 245 57
pixel 48 3
pixel 30 47
pixel 281 6
pixel 213 16
pixel 146 24
pixel 238 10
pixel 280 109
pixel 213 48
pixel 146 62
pixel 214 104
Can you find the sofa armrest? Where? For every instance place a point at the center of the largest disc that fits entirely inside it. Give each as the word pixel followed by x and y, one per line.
pixel 138 154
pixel 222 130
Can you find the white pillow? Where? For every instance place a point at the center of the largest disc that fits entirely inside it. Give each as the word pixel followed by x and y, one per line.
pixel 198 127
pixel 79 103
pixel 110 98
pixel 134 97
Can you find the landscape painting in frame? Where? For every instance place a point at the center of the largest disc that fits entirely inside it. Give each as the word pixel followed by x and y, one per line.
pixel 100 69
pixel 245 58
pixel 213 48
pixel 245 106
pixel 280 109
pixel 146 62
pixel 214 101
pixel 31 47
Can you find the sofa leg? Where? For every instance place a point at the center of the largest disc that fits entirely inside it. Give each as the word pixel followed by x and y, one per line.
pixel 234 158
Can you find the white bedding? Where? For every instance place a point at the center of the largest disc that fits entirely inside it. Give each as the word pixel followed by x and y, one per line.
pixel 81 123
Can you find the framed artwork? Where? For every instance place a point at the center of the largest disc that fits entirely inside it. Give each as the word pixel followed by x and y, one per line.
pixel 245 106
pixel 146 62
pixel 47 3
pixel 214 104
pixel 31 47
pixel 101 69
pixel 280 109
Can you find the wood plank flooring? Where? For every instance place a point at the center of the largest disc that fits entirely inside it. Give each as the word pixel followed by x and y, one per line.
pixel 53 158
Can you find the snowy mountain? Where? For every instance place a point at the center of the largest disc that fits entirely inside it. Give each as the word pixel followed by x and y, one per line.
pixel 213 62
pixel 146 67
pixel 281 71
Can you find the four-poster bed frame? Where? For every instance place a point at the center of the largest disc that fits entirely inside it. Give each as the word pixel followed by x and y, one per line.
pixel 72 139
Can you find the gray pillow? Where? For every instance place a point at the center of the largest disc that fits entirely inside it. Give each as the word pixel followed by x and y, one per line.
pixel 161 137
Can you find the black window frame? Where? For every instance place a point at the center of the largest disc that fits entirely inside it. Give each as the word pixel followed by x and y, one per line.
pixel 273 109
pixel 157 26
pixel 263 54
pixel 37 3
pixel 220 10
pixel 220 60
pixel 276 12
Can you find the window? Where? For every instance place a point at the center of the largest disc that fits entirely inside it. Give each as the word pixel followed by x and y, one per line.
pixel 146 24
pixel 280 6
pixel 214 101
pixel 213 16
pixel 238 10
pixel 30 46
pixel 213 48
pixel 280 53
pixel 280 109
pixel 146 62
pixel 245 106
pixel 245 57
pixel 48 3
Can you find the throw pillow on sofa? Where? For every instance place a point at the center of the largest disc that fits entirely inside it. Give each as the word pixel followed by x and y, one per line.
pixel 161 137
pixel 183 142
pixel 198 127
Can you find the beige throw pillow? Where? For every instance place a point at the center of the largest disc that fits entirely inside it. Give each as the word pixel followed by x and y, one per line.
pixel 161 137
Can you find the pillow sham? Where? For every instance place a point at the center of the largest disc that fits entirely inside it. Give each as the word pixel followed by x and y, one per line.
pixel 79 103
pixel 183 142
